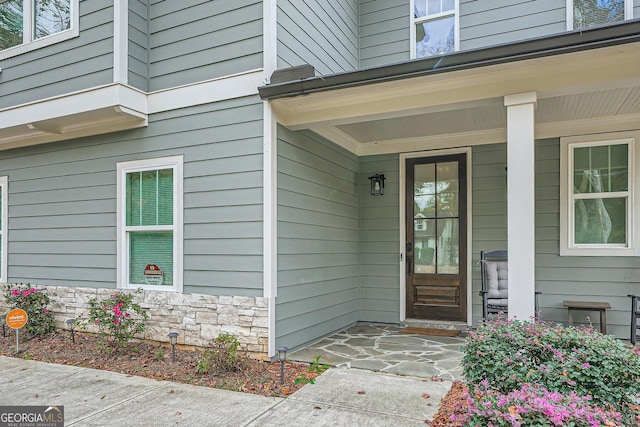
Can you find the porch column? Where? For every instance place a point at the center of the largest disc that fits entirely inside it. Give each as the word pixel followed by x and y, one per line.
pixel 521 203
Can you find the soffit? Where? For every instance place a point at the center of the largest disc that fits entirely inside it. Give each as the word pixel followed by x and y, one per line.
pixel 99 110
pixel 591 91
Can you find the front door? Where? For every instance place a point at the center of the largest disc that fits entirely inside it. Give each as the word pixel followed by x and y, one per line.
pixel 436 252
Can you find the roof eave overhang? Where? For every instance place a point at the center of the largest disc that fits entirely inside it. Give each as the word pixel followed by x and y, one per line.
pixel 564 43
pixel 94 111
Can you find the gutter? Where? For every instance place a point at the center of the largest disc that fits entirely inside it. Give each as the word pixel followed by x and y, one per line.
pixel 559 44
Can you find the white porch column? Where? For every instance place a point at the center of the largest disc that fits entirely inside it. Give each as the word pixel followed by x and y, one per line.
pixel 521 203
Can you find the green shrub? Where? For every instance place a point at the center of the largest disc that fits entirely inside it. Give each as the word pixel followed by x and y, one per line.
pixel 35 303
pixel 225 355
pixel 118 318
pixel 504 355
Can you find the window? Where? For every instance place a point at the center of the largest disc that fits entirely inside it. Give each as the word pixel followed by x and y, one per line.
pixel 592 13
pixel 150 224
pixel 598 211
pixel 4 208
pixel 30 24
pixel 434 27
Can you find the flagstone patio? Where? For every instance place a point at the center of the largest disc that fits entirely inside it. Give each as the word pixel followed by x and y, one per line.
pixel 379 347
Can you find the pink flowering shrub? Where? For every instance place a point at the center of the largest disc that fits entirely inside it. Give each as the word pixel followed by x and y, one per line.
pixel 118 318
pixel 506 355
pixel 35 303
pixel 533 405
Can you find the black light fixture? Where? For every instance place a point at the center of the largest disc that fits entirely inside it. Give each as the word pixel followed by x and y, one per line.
pixel 71 327
pixel 282 356
pixel 173 339
pixel 377 184
pixel 3 320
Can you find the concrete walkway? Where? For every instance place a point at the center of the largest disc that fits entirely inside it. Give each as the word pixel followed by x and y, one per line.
pixel 340 397
pixel 379 347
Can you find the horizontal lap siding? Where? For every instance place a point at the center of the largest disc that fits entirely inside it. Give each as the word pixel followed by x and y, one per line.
pixel 379 242
pixel 318 237
pixel 75 64
pixel 489 209
pixel 62 200
pixel 198 40
pixel 384 32
pixel 321 33
pixel 489 22
pixel 139 44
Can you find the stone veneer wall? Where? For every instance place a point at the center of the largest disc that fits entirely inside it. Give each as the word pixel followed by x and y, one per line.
pixel 197 318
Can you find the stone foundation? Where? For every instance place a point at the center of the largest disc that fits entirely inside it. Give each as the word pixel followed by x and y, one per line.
pixel 197 318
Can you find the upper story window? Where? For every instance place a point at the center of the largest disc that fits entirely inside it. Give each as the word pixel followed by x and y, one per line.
pixel 434 29
pixel 31 24
pixel 598 212
pixel 592 13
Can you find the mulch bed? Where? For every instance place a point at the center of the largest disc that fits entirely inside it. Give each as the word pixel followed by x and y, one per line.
pixel 153 360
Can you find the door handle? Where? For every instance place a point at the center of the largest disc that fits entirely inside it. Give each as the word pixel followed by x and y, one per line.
pixel 409 262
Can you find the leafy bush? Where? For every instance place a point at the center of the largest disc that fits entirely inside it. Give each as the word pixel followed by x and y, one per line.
pixel 225 355
pixel 35 303
pixel 533 405
pixel 118 318
pixel 505 355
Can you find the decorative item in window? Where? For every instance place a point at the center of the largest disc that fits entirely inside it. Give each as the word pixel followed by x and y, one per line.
pixel 377 184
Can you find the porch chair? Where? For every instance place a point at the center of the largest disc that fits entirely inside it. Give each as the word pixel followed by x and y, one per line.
pixel 635 315
pixel 495 292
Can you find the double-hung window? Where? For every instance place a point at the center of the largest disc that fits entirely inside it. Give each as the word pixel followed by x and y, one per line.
pixel 434 27
pixel 150 224
pixel 599 212
pixel 30 24
pixel 593 13
pixel 4 209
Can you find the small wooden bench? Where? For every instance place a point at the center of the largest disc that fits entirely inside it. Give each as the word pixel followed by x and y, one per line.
pixel 589 306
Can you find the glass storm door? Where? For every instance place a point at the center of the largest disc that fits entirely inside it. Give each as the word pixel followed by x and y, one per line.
pixel 436 253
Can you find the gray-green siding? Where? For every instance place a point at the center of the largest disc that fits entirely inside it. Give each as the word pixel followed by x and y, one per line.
pixel 380 242
pixel 62 200
pixel 321 33
pixel 196 40
pixel 490 22
pixel 138 46
pixel 318 238
pixel 75 64
pixel 384 32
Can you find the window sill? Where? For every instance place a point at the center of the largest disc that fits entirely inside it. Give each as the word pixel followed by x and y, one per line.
pixel 39 43
pixel 599 252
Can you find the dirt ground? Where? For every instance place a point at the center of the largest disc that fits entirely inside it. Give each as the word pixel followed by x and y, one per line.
pixel 154 361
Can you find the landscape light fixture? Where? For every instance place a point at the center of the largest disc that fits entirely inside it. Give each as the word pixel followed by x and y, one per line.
pixel 377 184
pixel 4 325
pixel 173 339
pixel 282 356
pixel 71 327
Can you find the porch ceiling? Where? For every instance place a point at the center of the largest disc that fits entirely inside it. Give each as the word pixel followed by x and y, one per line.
pixel 590 91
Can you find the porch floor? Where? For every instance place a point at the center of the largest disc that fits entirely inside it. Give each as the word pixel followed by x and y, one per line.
pixel 380 347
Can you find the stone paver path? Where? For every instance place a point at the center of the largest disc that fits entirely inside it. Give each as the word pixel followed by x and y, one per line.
pixel 382 348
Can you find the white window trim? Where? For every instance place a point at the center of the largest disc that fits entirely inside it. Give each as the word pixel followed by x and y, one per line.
pixel 628 12
pixel 4 186
pixel 175 162
pixel 28 44
pixel 412 30
pixel 567 248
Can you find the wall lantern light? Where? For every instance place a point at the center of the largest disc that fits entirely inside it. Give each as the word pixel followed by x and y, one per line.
pixel 173 339
pixel 282 356
pixel 71 327
pixel 377 184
